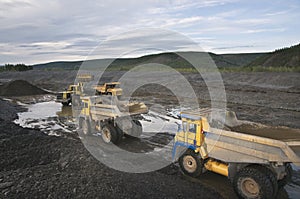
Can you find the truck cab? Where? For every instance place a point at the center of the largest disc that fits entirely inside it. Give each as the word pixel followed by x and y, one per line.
pixel 191 134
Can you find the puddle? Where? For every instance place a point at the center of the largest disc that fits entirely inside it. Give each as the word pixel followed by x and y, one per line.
pixel 157 123
pixel 45 117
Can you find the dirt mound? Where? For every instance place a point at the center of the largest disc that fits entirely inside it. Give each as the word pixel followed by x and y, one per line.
pixel 20 88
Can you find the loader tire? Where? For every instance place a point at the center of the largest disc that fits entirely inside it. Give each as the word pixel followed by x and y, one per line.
pixel 287 178
pixel 252 183
pixel 191 164
pixel 110 134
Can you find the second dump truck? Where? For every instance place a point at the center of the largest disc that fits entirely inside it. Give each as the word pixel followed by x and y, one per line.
pixel 257 166
pixel 111 88
pixel 111 117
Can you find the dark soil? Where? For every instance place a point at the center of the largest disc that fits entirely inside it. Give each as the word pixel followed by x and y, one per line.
pixel 34 165
pixel 20 88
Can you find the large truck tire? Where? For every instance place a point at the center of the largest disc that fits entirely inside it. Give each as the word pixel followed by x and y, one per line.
pixel 110 134
pixel 191 164
pixel 271 176
pixel 252 183
pixel 287 178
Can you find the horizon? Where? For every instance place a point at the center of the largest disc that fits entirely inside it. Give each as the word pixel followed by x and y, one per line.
pixel 41 32
pixel 137 57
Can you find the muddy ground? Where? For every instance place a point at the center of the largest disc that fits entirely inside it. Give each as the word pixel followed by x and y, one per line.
pixel 37 165
pixel 265 97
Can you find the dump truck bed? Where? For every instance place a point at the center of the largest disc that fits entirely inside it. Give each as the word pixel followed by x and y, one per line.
pixel 230 146
pixel 101 111
pixel 278 133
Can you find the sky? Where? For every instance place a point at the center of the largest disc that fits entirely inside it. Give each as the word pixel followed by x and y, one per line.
pixel 39 31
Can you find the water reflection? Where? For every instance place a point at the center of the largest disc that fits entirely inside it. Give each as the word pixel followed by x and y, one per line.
pixel 66 111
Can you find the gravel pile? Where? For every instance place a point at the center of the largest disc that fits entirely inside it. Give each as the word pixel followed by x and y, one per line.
pixel 20 88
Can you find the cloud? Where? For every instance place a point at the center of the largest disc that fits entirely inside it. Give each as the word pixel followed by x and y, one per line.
pixel 31 29
pixel 264 30
pixel 233 47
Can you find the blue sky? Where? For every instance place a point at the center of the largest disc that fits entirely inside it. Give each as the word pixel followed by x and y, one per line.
pixel 34 31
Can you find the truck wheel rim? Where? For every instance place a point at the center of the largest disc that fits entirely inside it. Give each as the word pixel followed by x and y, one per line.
pixel 106 135
pixel 189 164
pixel 249 187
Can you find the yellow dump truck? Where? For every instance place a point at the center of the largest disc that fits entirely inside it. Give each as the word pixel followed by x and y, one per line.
pixel 111 117
pixel 112 88
pixel 257 166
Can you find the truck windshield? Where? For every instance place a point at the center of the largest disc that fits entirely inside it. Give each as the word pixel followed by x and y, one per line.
pixel 193 128
pixel 182 127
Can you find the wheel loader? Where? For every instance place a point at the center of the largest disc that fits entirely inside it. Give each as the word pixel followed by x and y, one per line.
pixel 74 91
pixel 71 94
pixel 110 117
pixel 257 166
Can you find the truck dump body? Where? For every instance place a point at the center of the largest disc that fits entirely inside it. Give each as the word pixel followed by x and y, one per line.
pixel 277 133
pixel 108 107
pixel 230 146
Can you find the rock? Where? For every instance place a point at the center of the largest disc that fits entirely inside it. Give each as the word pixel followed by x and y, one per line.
pixel 5 185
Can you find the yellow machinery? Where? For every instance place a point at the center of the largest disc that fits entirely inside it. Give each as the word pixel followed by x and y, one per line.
pixel 256 166
pixel 74 91
pixel 112 88
pixel 111 117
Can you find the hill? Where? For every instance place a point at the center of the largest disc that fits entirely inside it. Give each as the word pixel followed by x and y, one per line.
pixel 169 58
pixel 286 57
pixel 64 65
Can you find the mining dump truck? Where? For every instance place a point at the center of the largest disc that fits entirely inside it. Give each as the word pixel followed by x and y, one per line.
pixel 112 88
pixel 257 166
pixel 74 91
pixel 111 117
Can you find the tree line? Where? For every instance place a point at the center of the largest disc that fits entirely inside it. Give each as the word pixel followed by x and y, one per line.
pixel 15 67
